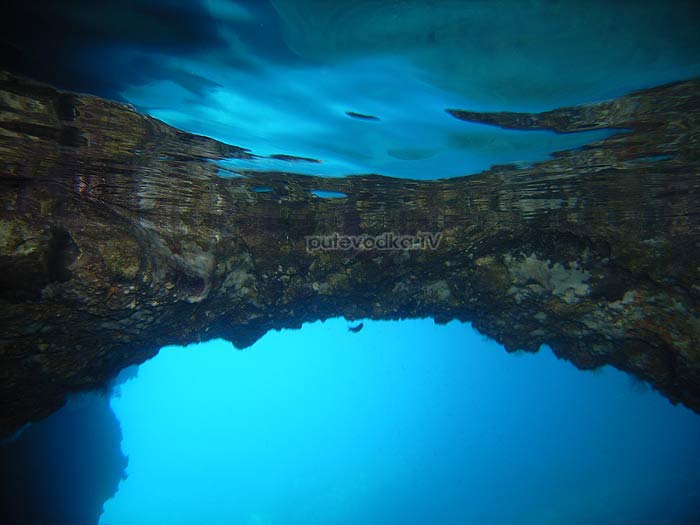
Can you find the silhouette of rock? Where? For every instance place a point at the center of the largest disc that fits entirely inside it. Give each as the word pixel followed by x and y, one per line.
pixel 61 470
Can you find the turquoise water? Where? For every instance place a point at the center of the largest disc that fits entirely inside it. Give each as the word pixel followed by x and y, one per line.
pixel 302 112
pixel 403 422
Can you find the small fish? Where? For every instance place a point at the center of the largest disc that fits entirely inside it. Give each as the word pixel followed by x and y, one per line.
pixel 357 328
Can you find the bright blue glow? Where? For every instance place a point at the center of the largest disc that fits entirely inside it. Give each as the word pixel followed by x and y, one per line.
pixel 301 111
pixel 329 194
pixel 402 423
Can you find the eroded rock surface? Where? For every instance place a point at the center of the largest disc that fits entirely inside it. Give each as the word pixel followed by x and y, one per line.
pixel 120 234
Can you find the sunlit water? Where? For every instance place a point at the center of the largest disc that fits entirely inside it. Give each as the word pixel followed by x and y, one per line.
pixel 303 111
pixel 402 423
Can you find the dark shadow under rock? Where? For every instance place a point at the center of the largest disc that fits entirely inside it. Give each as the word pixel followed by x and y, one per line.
pixel 61 471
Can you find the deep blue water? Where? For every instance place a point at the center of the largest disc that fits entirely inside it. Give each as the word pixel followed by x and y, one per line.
pixel 404 422
pixel 61 470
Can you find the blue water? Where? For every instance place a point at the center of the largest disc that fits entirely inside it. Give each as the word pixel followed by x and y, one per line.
pixel 281 76
pixel 402 423
pixel 310 62
pixel 302 112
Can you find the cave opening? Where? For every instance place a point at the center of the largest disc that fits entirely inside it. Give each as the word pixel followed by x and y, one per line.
pixel 403 422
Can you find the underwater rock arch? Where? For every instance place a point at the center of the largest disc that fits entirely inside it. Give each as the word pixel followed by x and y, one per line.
pixel 119 235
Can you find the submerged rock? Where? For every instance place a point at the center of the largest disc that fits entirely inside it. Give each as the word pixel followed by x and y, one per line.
pixel 62 470
pixel 118 236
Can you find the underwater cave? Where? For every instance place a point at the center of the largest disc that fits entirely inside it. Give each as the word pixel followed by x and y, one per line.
pixel 299 262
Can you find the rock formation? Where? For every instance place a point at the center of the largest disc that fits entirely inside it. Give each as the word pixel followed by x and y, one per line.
pixel 120 234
